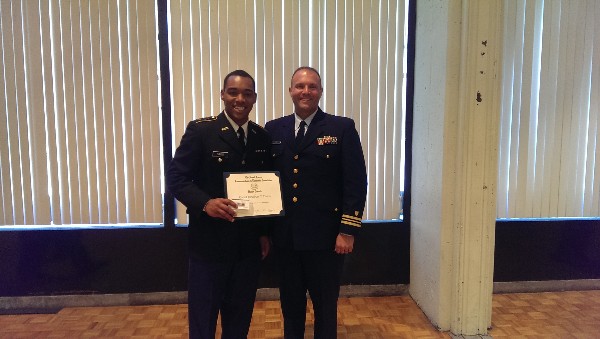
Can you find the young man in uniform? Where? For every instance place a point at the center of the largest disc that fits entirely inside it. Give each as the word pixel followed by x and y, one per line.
pixel 224 252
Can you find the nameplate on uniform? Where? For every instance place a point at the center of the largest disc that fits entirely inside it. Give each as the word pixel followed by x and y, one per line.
pixel 257 194
pixel 219 154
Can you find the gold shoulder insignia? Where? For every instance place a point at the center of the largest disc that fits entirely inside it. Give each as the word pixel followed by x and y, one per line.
pixel 205 119
pixel 257 125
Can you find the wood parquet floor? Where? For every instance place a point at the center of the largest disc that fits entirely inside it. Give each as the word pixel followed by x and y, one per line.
pixel 573 314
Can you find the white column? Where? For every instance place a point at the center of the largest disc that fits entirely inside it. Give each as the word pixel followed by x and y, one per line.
pixel 455 166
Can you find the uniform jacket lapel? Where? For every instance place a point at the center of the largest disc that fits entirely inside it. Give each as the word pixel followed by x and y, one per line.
pixel 288 130
pixel 227 133
pixel 251 138
pixel 314 130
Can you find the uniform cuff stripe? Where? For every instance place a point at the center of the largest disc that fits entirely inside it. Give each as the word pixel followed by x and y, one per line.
pixel 350 223
pixel 350 217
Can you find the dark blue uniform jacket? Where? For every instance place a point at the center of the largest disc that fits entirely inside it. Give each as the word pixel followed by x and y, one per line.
pixel 324 181
pixel 208 148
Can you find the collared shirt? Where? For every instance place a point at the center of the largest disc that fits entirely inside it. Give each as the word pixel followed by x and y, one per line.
pixel 298 121
pixel 236 126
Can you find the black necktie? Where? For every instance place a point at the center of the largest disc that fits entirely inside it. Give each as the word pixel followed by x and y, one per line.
pixel 241 137
pixel 300 133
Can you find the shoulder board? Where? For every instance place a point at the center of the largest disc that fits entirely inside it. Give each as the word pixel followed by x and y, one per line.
pixel 205 119
pixel 255 124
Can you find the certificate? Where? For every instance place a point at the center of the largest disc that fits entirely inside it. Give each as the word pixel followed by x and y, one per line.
pixel 257 194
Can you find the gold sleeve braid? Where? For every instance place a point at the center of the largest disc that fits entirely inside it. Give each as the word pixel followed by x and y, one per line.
pixel 351 220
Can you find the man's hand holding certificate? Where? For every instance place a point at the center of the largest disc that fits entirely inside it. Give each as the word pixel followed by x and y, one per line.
pixel 257 194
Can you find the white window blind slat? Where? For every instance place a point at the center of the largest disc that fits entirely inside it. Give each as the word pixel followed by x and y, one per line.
pixel 583 74
pixel 89 131
pixel 100 196
pixel 58 171
pixel 510 8
pixel 148 121
pixel 541 130
pixel 527 135
pixel 379 51
pixel 592 203
pixel 590 143
pixel 177 29
pixel 262 55
pixel 300 12
pixel 213 46
pixel 344 51
pixel 197 56
pixel 220 49
pixel 389 83
pixel 131 131
pixel 137 189
pixel 580 109
pixel 331 25
pixel 370 67
pixel 189 61
pixel 394 127
pixel 79 177
pixel 516 116
pixel 176 65
pixel 566 91
pixel 70 147
pixel 36 123
pixel 115 125
pixel 143 156
pixel 548 80
pixel 53 105
pixel 558 114
pixel 27 127
pixel 5 154
pixel 288 55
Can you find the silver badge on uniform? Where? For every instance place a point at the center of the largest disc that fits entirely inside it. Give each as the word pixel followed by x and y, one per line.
pixel 219 154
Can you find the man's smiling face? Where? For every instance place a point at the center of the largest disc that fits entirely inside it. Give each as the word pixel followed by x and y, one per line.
pixel 238 97
pixel 306 92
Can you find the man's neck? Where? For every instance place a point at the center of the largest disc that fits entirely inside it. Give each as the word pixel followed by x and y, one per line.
pixel 305 114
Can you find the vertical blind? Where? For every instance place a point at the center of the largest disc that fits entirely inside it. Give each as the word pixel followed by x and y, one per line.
pixel 357 46
pixel 551 107
pixel 79 114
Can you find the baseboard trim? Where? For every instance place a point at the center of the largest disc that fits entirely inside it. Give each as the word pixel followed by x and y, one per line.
pixel 546 286
pixel 53 303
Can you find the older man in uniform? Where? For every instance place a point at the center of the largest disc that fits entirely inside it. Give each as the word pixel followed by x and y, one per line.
pixel 324 185
pixel 224 256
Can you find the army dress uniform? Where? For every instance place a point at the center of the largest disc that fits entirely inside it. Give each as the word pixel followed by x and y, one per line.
pixel 324 186
pixel 208 148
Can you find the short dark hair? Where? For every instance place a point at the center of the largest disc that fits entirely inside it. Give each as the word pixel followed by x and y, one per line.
pixel 309 69
pixel 241 73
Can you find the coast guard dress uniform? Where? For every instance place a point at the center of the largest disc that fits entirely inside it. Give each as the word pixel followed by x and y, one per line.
pixel 324 186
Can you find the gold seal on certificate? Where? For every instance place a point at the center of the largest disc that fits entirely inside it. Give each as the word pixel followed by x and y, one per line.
pixel 257 194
